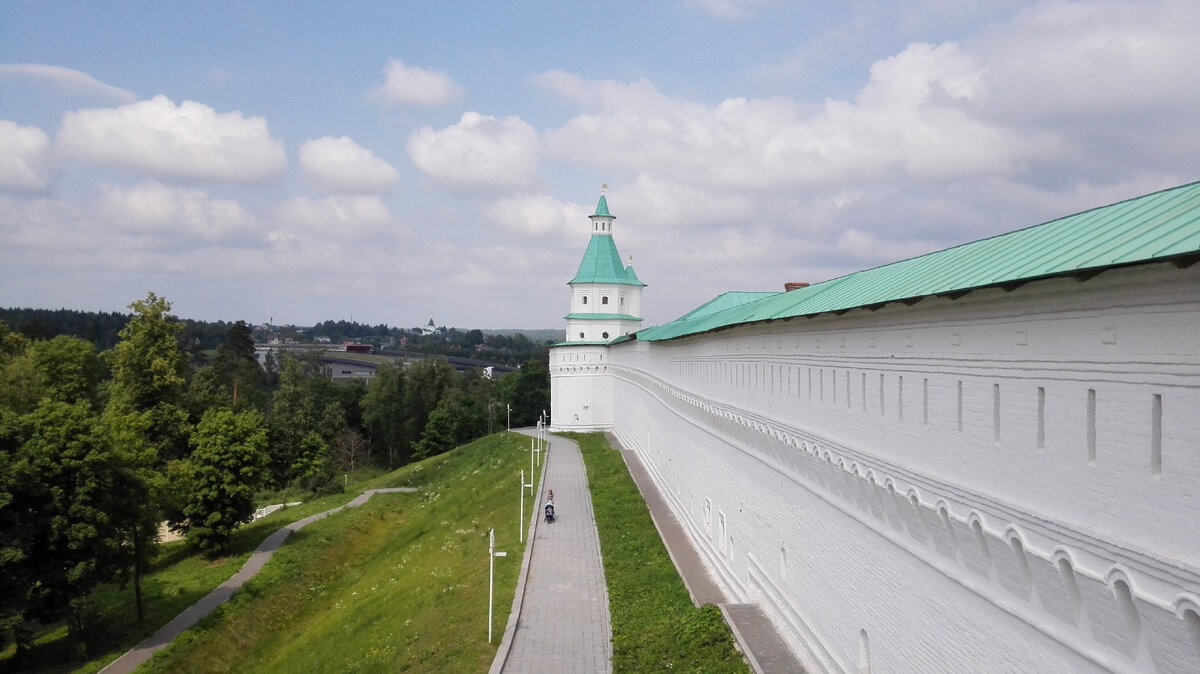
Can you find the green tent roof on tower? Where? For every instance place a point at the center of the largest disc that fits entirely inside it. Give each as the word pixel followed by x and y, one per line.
pixel 601 262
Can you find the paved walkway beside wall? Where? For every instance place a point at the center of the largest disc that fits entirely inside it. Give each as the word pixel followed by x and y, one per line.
pixel 192 614
pixel 563 623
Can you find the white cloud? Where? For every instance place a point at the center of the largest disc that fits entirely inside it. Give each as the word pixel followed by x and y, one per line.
pixel 535 214
pixel 24 157
pixel 341 165
pixel 726 9
pixel 908 119
pixel 659 201
pixel 151 208
pixel 190 141
pixel 66 79
pixel 1115 81
pixel 339 217
pixel 1092 60
pixel 410 85
pixel 479 152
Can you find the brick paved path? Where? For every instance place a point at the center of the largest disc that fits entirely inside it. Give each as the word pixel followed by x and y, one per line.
pixel 564 624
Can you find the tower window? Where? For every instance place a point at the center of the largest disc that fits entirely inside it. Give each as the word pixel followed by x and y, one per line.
pixel 604 335
pixel 585 299
pixel 604 300
pixel 581 335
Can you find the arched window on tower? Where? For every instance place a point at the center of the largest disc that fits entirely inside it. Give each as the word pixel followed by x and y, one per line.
pixel 585 299
pixel 604 300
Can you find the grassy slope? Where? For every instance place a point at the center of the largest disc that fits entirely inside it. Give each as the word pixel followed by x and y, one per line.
pixel 178 579
pixel 399 584
pixel 655 626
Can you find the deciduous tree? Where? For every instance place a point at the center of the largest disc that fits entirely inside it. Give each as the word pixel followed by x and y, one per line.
pixel 149 371
pixel 528 391
pixel 293 417
pixel 68 369
pixel 383 413
pixel 65 493
pixel 229 459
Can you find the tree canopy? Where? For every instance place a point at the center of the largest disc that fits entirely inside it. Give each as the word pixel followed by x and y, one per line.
pixel 229 462
pixel 102 439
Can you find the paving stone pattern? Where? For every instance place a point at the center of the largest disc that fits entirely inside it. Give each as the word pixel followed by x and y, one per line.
pixel 564 624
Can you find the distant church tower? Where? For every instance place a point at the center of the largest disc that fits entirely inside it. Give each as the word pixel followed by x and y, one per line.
pixel 606 305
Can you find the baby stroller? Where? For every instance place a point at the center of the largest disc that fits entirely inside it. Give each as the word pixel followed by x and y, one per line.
pixel 549 512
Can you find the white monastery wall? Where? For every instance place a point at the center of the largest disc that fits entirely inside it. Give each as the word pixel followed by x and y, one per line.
pixel 1006 481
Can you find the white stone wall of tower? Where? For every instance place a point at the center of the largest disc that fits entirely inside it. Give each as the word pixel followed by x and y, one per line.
pixel 622 299
pixel 1003 482
pixel 580 389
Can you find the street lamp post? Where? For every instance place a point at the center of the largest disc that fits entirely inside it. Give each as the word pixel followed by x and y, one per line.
pixel 492 555
pixel 521 521
pixel 509 416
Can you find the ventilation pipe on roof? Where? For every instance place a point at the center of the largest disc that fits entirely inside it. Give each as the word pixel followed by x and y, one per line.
pixel 793 285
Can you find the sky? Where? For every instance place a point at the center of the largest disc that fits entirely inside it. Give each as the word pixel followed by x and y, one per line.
pixel 391 162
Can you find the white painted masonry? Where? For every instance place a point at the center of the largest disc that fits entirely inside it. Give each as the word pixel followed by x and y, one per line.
pixel 1008 481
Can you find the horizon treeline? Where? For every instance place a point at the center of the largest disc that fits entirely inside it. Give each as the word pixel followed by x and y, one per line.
pixel 102 329
pixel 100 446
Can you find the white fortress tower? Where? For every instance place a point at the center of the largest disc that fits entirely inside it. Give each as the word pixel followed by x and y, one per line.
pixel 606 307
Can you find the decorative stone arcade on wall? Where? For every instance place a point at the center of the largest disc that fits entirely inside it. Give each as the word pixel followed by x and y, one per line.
pixel 606 306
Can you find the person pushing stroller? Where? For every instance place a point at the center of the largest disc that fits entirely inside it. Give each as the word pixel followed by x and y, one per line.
pixel 549 507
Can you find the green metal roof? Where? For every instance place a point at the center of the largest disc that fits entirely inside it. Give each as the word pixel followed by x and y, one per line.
pixel 603 317
pixel 602 263
pixel 1158 226
pixel 729 300
pixel 602 208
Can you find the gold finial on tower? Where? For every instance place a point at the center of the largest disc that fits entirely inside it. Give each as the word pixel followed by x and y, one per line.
pixel 603 188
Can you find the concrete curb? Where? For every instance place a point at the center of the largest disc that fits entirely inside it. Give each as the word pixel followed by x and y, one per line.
pixel 209 602
pixel 743 644
pixel 506 641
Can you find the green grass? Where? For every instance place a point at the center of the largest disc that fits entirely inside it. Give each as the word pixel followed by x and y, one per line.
pixel 179 577
pixel 472 488
pixel 654 624
pixel 399 584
